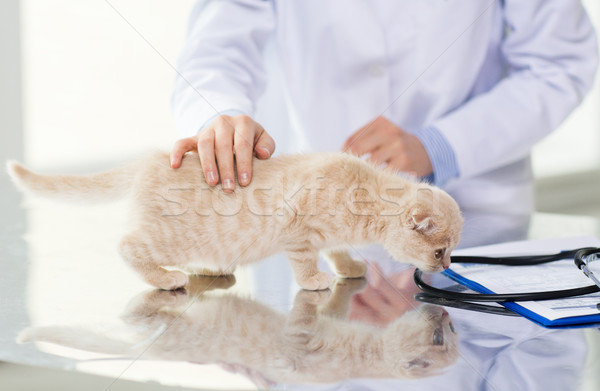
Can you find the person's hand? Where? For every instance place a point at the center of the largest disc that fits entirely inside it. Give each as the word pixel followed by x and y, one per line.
pixel 391 146
pixel 217 144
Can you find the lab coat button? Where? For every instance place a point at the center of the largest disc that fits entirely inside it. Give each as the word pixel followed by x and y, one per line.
pixel 377 70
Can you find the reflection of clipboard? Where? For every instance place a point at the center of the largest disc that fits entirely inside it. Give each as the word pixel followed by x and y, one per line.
pixel 578 311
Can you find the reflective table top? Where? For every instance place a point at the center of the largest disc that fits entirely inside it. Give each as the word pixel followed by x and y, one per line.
pixel 69 302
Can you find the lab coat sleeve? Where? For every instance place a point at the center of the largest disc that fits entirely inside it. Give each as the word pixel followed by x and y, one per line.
pixel 221 67
pixel 551 52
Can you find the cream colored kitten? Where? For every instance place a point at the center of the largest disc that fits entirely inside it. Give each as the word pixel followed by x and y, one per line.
pixel 295 204
pixel 308 345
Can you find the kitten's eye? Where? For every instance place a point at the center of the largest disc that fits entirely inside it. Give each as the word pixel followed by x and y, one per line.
pixel 438 337
pixel 439 254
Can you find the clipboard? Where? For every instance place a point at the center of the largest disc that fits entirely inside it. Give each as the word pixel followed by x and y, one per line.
pixel 579 311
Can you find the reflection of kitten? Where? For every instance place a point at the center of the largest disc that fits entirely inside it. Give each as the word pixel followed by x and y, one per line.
pixel 308 345
pixel 296 204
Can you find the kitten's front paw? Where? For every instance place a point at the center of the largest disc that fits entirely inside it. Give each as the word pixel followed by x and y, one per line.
pixel 318 281
pixel 352 269
pixel 173 280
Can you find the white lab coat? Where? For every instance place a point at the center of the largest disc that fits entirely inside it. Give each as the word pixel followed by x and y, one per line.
pixel 494 77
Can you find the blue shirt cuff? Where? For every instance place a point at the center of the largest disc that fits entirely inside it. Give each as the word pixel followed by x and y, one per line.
pixel 441 155
pixel 230 112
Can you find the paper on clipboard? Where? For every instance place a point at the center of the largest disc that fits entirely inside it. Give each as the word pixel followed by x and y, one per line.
pixel 552 276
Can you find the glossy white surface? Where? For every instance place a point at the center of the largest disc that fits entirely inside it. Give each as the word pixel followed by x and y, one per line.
pixel 61 269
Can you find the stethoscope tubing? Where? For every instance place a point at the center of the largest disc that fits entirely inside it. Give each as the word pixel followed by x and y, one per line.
pixel 513 261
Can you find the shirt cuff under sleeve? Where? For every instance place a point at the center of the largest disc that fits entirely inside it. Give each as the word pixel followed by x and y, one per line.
pixel 441 155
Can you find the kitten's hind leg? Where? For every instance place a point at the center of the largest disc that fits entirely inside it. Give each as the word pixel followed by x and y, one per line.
pixel 344 265
pixel 307 274
pixel 145 258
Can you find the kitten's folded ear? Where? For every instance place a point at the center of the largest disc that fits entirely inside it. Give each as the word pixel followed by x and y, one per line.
pixel 421 221
pixel 420 215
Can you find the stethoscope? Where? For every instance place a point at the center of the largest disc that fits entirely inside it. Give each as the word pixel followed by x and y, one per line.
pixel 582 257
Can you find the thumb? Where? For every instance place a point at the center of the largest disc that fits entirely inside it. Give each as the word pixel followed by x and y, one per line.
pixel 180 148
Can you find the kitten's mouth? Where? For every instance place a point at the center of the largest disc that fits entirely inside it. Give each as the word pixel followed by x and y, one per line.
pixel 434 269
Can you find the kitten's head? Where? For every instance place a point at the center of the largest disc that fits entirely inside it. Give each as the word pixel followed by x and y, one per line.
pixel 426 232
pixel 421 343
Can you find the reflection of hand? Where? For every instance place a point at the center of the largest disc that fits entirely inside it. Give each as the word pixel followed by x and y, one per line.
pixel 385 298
pixel 390 145
pixel 216 145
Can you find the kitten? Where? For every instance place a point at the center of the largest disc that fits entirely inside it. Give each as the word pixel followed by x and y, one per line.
pixel 296 204
pixel 314 343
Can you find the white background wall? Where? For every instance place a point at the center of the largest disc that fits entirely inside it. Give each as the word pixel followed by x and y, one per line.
pixel 11 138
pixel 96 91
pixel 574 146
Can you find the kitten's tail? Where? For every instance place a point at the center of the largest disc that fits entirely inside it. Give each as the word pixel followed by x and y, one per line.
pixel 101 187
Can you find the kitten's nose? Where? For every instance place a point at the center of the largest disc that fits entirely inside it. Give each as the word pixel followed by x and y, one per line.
pixel 446 263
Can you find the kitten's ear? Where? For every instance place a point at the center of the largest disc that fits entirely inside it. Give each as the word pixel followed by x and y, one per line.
pixel 421 221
